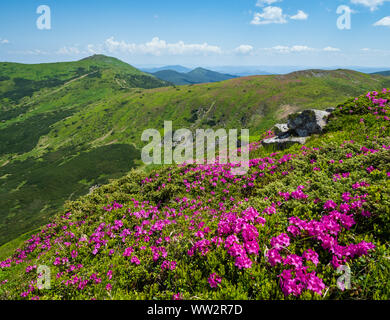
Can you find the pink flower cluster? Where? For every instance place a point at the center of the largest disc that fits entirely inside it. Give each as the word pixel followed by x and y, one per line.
pixel 169 265
pixel 242 235
pixel 140 229
pixel 214 280
pixel 327 229
pixel 297 194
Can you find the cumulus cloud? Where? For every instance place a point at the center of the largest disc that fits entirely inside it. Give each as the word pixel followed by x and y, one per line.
pixel 262 3
pixel 35 52
pixel 244 49
pixel 275 15
pixel 269 15
pixel 299 49
pixel 300 16
pixel 156 47
pixel 331 49
pixel 375 52
pixel 372 4
pixel 287 49
pixel 95 49
pixel 385 22
pixel 68 51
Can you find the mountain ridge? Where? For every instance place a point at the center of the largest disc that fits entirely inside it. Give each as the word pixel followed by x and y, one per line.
pixel 196 76
pixel 177 68
pixel 383 73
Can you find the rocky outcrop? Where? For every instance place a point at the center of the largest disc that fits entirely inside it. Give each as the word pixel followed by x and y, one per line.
pixel 281 129
pixel 307 122
pixel 299 127
pixel 284 143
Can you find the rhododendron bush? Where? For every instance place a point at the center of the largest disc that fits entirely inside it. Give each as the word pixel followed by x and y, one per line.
pixel 280 231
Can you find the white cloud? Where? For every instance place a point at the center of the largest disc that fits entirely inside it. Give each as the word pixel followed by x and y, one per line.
pixel 300 16
pixel 4 41
pixel 156 47
pixel 269 15
pixel 385 22
pixel 262 3
pixel 331 49
pixel 292 49
pixel 372 4
pixel 68 51
pixel 377 52
pixel 275 15
pixel 35 52
pixel 281 49
pixel 299 49
pixel 244 49
pixel 95 49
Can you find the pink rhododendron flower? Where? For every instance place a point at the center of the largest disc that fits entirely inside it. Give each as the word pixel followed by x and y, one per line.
pixel 135 260
pixel 128 252
pixel 311 255
pixel 214 280
pixel 177 296
pixel 281 241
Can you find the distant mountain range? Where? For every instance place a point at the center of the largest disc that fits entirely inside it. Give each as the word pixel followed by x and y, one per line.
pixel 176 68
pixel 383 73
pixel 196 76
pixel 226 70
pixel 244 71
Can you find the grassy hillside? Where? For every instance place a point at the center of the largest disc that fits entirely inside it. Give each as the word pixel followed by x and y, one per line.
pixel 196 76
pixel 61 141
pixel 18 81
pixel 33 98
pixel 198 232
pixel 174 77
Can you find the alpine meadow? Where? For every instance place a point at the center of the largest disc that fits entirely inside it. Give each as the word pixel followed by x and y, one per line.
pixel 84 217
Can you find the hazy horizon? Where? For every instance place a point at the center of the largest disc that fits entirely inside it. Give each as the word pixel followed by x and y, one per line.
pixel 273 69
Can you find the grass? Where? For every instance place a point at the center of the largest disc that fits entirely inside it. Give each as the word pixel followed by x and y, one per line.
pixel 67 110
pixel 174 209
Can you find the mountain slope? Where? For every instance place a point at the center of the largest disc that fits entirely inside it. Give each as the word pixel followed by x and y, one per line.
pixel 202 73
pixel 33 98
pixel 196 76
pixel 176 68
pixel 174 77
pixel 62 141
pixel 383 73
pixel 19 80
pixel 198 232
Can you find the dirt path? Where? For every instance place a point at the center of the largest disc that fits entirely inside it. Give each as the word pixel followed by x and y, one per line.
pixel 60 88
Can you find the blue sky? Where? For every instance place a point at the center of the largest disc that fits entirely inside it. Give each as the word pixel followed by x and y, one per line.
pixel 206 33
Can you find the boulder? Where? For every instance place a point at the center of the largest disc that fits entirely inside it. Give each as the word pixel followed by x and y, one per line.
pixel 281 129
pixel 284 143
pixel 307 122
pixel 299 127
